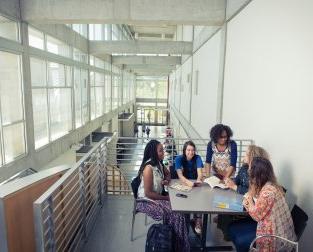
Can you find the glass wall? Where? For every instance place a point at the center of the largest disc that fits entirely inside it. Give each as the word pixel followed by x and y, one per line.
pixel 52 100
pixel 9 29
pixel 97 94
pixel 35 38
pixel 12 122
pixel 152 88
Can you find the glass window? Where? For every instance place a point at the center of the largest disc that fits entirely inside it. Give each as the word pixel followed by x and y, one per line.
pixel 81 29
pixel 80 56
pixel 81 98
pixel 56 74
pixel 162 90
pixel 107 93
pixel 84 81
pixel 98 32
pixel 77 92
pixel 99 63
pixel 35 38
pixel 14 141
pixel 40 115
pixel 10 88
pixel 92 103
pixel 38 72
pixel 12 113
pixel 60 112
pixel 99 91
pixel 69 78
pixel 52 106
pixel 57 47
pixel 8 29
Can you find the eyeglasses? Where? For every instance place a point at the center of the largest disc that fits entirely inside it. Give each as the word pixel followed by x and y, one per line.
pixel 224 137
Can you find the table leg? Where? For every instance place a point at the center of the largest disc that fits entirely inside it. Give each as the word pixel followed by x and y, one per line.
pixel 204 230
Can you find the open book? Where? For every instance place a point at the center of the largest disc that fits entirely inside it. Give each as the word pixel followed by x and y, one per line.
pixel 215 182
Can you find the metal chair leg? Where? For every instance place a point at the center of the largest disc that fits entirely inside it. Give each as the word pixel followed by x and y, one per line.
pixel 132 229
pixel 146 220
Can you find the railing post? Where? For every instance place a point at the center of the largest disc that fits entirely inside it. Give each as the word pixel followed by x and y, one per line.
pixel 83 199
pixel 99 164
pixel 50 221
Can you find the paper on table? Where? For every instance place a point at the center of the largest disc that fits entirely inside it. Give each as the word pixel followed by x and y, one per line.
pixel 181 187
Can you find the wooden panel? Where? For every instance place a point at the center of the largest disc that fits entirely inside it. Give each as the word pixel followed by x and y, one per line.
pixel 18 209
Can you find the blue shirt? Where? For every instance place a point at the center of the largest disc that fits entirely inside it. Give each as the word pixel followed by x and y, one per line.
pixel 190 172
pixel 233 153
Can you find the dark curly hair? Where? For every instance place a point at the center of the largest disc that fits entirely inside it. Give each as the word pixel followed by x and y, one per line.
pixel 217 131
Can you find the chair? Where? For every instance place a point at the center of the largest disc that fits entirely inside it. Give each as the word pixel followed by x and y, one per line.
pixel 136 200
pixel 299 218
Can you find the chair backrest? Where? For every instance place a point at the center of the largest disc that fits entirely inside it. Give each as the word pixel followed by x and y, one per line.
pixel 300 219
pixel 135 185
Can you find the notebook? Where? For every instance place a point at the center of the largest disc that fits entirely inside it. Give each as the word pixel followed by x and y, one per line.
pixel 228 203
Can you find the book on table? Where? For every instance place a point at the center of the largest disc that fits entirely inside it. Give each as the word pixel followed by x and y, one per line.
pixel 215 182
pixel 228 203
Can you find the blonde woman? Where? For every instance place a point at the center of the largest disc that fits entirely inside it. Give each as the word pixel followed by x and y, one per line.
pixel 241 181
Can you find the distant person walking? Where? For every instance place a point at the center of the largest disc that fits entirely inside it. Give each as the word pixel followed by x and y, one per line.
pixel 135 129
pixel 143 127
pixel 148 132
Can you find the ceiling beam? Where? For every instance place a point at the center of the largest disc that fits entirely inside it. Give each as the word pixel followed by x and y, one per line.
pixel 140 47
pixel 131 12
pixel 149 60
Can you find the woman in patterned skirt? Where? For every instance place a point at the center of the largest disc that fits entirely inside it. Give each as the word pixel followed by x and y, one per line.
pixel 153 178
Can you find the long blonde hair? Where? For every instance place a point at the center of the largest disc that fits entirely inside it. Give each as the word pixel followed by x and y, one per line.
pixel 256 151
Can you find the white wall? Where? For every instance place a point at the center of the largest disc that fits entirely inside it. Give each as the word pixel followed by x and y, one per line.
pixel 268 90
pixel 186 88
pixel 204 105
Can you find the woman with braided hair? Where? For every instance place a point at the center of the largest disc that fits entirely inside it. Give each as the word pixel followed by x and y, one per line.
pixel 154 176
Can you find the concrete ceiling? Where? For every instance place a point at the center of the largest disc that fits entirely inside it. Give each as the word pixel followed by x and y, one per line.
pixel 152 23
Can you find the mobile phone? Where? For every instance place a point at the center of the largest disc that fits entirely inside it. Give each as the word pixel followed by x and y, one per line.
pixel 195 184
pixel 181 195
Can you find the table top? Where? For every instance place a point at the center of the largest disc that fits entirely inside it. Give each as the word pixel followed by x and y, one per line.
pixel 200 200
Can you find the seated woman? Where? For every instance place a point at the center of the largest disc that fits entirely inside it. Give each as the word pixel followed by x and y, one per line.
pixel 240 184
pixel 189 166
pixel 266 204
pixel 154 177
pixel 221 154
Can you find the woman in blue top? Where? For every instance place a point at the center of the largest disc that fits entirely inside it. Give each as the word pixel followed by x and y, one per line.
pixel 189 166
pixel 221 154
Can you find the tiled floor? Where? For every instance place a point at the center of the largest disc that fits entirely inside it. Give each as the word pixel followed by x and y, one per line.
pixel 111 232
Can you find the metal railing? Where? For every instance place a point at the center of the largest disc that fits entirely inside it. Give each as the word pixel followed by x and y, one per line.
pixel 65 213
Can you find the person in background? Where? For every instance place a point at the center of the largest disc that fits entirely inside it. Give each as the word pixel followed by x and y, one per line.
pixel 154 176
pixel 148 132
pixel 221 154
pixel 240 184
pixel 189 167
pixel 266 204
pixel 135 129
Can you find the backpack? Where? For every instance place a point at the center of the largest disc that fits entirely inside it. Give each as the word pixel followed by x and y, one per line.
pixel 160 238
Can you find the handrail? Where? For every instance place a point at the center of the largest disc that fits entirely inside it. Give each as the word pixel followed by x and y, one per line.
pixel 53 210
